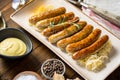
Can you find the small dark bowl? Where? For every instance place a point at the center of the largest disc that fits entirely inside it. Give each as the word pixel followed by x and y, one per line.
pixel 16 33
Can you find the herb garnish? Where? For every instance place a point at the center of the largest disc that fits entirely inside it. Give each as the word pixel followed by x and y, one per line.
pixel 62 19
pixel 51 24
pixel 77 25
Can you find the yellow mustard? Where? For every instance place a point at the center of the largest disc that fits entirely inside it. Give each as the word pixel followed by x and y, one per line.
pixel 12 47
pixel 42 8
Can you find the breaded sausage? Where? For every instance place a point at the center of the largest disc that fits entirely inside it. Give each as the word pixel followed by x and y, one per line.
pixel 54 20
pixel 90 49
pixel 67 32
pixel 76 37
pixel 73 47
pixel 48 14
pixel 59 27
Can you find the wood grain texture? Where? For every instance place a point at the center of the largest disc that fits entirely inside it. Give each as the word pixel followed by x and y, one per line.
pixel 40 53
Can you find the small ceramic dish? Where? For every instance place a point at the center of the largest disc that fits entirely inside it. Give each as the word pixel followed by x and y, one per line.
pixel 16 33
pixel 27 75
pixel 50 66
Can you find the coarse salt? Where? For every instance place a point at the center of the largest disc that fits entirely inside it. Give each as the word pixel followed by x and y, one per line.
pixel 27 77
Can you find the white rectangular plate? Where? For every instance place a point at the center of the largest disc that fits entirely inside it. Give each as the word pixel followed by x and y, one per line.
pixel 21 17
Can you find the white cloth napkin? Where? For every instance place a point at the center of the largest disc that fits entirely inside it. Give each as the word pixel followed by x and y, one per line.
pixel 109 26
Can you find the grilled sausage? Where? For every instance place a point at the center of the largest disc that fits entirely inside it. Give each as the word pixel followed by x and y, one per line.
pixel 48 14
pixel 54 20
pixel 59 27
pixel 90 49
pixel 76 37
pixel 73 47
pixel 67 32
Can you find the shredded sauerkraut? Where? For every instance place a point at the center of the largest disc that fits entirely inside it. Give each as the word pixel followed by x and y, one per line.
pixel 97 60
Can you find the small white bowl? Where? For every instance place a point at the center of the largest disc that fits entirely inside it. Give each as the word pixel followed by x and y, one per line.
pixel 27 74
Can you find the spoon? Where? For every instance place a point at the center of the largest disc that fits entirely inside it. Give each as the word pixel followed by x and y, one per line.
pixel 2 22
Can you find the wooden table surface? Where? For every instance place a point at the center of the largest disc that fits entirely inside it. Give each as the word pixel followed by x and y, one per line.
pixel 40 53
